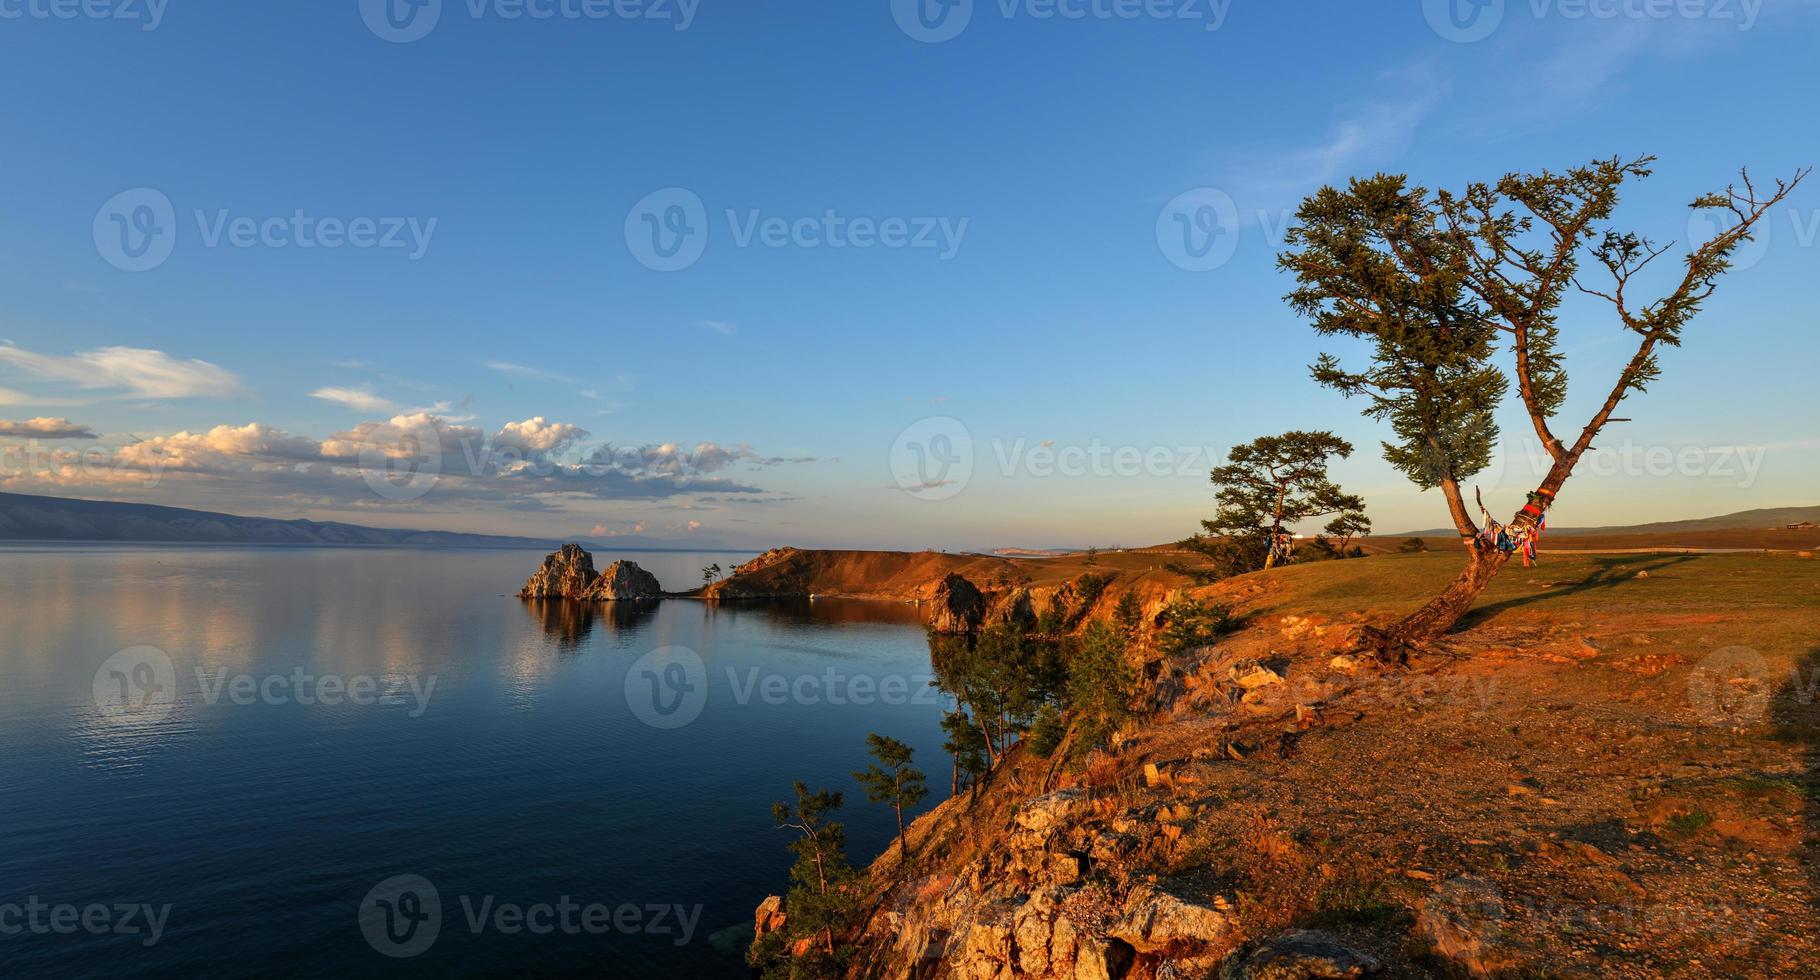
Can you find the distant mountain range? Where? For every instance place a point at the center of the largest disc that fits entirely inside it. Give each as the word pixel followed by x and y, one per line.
pixel 1764 518
pixel 28 517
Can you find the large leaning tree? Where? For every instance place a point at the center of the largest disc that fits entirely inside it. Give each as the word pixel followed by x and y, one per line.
pixel 1444 285
pixel 1267 486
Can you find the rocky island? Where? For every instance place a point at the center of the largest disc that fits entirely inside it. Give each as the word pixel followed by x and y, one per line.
pixel 569 574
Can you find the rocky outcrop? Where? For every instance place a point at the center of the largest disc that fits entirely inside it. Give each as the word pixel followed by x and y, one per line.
pixel 623 581
pixel 569 574
pixel 770 916
pixel 1158 919
pixel 959 606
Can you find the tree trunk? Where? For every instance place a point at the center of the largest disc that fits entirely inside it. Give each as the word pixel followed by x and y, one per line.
pixel 1485 561
pixel 1444 610
pixel 903 848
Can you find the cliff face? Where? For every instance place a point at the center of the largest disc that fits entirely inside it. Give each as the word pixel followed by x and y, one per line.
pixel 569 574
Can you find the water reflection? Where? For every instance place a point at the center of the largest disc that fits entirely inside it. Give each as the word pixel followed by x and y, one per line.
pixel 569 623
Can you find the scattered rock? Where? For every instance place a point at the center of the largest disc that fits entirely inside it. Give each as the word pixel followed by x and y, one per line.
pixel 1306 954
pixel 1252 676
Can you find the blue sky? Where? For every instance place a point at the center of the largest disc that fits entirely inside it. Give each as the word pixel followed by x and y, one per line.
pixel 1016 287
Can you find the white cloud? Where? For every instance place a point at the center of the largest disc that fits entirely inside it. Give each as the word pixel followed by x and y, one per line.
pixel 138 371
pixel 46 428
pixel 528 373
pixel 721 326
pixel 1367 135
pixel 218 449
pixel 538 436
pixel 354 398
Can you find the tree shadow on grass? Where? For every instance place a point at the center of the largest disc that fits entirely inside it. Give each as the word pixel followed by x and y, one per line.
pixel 1795 710
pixel 1612 572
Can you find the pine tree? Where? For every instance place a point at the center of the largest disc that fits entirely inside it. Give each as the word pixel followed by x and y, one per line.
pixel 820 900
pixel 892 780
pixel 1437 283
pixel 1267 486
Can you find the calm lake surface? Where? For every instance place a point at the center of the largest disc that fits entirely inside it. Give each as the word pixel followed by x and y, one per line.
pixel 291 728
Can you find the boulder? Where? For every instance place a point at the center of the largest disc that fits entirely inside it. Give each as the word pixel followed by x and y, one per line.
pixel 1102 959
pixel 1157 918
pixel 1305 954
pixel 959 606
pixel 624 580
pixel 567 573
pixel 1047 813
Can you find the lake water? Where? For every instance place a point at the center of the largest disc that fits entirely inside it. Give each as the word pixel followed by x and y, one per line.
pixel 242 749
